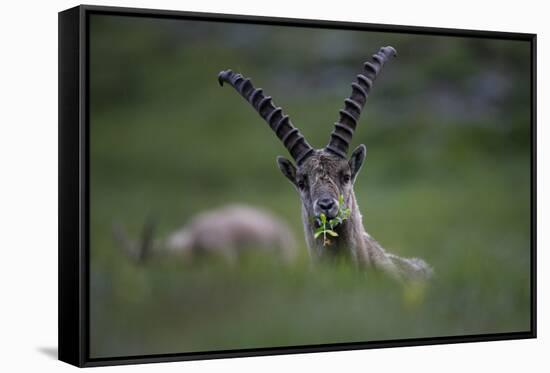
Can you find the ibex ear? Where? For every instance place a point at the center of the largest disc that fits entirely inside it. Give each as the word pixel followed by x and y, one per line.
pixel 287 168
pixel 356 160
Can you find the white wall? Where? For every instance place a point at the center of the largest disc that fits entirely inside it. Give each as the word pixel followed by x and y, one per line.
pixel 28 183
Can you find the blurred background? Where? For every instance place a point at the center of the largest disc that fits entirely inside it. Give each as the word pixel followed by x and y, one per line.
pixel 447 178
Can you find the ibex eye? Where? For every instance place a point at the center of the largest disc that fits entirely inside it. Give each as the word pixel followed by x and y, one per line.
pixel 346 178
pixel 301 184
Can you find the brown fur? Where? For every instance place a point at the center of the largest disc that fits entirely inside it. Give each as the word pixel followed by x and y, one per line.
pixel 325 176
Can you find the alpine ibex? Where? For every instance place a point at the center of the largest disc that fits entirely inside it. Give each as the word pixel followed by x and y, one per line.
pixel 321 176
pixel 226 232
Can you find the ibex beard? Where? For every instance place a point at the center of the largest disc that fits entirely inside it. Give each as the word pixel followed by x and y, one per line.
pixel 321 176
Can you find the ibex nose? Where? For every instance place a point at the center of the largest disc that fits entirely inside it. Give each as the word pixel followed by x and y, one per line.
pixel 325 203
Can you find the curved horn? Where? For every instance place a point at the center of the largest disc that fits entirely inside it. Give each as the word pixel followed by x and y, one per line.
pixel 280 123
pixel 342 134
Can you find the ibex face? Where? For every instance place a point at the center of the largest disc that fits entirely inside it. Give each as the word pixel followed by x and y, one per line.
pixel 323 178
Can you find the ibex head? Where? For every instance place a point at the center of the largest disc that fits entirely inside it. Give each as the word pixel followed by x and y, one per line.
pixel 322 178
pixel 320 175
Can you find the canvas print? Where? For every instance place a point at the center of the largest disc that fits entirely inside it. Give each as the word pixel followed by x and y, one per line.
pixel 262 186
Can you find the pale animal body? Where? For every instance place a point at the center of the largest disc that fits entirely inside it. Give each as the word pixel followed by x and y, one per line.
pixel 232 231
pixel 321 176
pixel 226 232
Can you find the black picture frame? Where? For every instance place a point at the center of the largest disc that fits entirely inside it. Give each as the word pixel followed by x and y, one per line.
pixel 74 198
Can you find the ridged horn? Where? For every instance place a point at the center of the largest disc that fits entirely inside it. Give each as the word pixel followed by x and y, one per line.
pixel 280 123
pixel 341 136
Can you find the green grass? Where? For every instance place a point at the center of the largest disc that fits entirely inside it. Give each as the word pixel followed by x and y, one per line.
pixel 168 142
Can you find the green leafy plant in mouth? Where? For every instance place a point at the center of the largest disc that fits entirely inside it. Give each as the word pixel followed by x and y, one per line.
pixel 326 228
